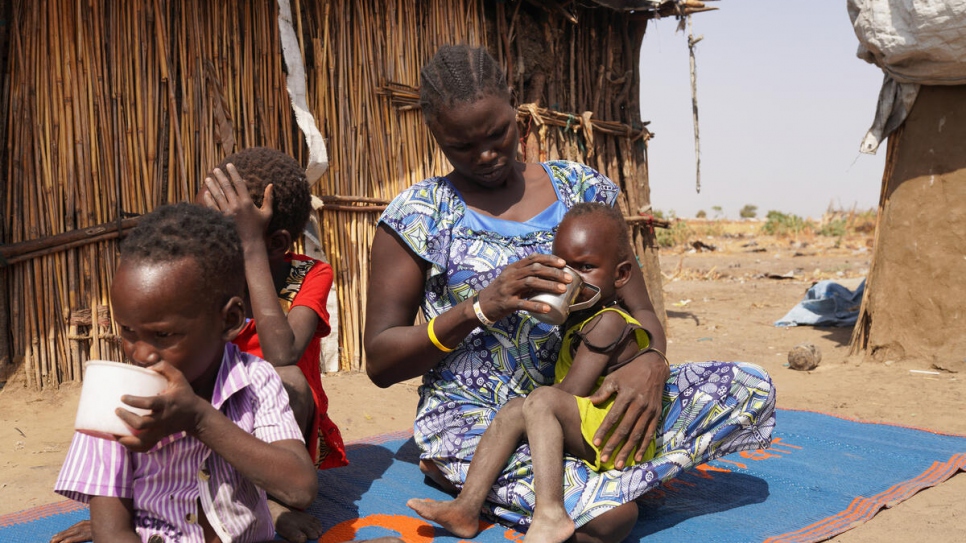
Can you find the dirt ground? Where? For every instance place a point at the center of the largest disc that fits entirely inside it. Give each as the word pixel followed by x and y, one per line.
pixel 721 305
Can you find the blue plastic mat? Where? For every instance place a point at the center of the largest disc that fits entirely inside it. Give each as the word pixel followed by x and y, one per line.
pixel 822 476
pixel 40 523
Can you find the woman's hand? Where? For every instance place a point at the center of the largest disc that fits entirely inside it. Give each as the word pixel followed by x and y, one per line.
pixel 229 194
pixel 519 281
pixel 394 350
pixel 636 411
pixel 639 385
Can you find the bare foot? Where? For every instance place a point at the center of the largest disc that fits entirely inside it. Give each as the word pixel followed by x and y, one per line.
pixel 77 533
pixel 294 526
pixel 550 527
pixel 449 515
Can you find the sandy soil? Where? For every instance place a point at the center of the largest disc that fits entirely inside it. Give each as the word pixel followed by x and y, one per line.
pixel 721 305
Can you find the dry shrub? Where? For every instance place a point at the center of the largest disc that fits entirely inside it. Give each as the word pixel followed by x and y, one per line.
pixel 677 234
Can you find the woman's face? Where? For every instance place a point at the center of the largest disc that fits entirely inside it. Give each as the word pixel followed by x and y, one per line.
pixel 479 139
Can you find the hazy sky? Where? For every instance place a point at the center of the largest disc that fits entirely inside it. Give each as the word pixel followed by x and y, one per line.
pixel 783 104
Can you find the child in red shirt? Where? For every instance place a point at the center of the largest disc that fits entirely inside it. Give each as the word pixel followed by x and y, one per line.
pixel 308 285
pixel 265 191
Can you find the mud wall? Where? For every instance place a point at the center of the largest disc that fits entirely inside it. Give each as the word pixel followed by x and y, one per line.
pixel 915 302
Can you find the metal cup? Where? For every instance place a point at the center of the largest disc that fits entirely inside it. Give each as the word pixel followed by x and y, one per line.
pixel 561 304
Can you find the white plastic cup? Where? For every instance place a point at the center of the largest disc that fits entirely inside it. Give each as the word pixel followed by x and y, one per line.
pixel 104 384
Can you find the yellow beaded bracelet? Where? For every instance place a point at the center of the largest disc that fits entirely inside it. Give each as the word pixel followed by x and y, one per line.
pixel 434 339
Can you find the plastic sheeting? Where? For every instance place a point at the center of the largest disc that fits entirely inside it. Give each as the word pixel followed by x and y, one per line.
pixel 914 42
pixel 318 156
pixel 826 303
pixel 318 164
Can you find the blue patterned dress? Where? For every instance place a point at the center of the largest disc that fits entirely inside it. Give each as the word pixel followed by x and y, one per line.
pixel 710 409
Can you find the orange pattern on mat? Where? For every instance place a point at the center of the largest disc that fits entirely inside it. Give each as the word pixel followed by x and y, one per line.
pixel 409 529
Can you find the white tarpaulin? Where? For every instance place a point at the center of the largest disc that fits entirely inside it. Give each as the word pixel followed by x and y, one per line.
pixel 318 164
pixel 915 42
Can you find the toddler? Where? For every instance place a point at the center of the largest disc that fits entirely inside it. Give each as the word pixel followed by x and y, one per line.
pixel 592 238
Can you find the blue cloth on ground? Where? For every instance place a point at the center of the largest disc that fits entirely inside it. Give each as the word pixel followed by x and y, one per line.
pixel 823 475
pixel 826 303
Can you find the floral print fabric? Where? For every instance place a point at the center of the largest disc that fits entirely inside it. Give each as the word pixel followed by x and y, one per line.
pixel 710 409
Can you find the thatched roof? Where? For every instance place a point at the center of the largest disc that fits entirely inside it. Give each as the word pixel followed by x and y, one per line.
pixel 655 8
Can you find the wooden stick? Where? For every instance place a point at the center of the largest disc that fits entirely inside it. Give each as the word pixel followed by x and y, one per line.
pixel 74 237
pixel 692 41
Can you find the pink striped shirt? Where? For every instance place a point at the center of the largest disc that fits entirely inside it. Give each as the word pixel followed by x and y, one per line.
pixel 167 482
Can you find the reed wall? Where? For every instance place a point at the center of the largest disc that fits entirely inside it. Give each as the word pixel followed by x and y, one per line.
pixel 114 108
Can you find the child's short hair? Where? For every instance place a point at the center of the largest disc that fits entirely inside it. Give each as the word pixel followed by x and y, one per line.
pixel 263 166
pixel 609 213
pixel 183 230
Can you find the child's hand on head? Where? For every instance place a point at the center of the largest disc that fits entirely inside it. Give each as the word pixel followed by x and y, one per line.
pixel 229 194
pixel 177 409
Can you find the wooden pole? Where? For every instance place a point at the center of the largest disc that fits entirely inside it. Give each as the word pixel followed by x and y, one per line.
pixel 692 41
pixel 6 365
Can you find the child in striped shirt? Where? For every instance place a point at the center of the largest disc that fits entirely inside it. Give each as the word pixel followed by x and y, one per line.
pixel 222 434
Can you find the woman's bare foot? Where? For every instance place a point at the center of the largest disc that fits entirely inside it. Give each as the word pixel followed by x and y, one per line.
pixel 550 527
pixel 77 533
pixel 450 515
pixel 294 526
pixel 431 470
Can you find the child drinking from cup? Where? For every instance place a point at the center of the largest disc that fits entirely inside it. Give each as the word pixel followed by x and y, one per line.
pixel 267 195
pixel 592 238
pixel 222 433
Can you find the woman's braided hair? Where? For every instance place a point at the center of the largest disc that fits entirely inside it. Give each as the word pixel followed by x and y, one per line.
pixel 459 74
pixel 173 232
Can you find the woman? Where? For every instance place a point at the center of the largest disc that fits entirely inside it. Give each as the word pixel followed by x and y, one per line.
pixel 469 249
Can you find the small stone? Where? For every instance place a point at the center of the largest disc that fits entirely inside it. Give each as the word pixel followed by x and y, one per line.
pixel 804 357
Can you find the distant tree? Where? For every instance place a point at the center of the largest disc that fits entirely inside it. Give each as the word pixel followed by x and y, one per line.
pixel 748 212
pixel 718 212
pixel 701 214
